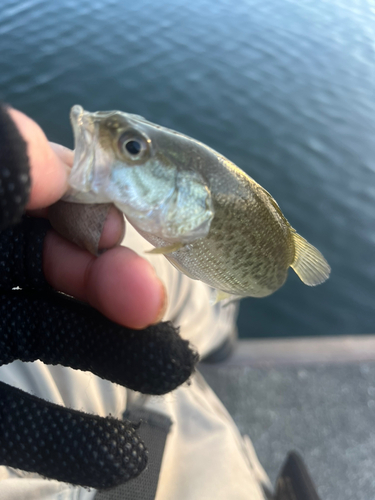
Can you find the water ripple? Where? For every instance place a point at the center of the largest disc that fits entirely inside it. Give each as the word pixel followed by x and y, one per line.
pixel 284 89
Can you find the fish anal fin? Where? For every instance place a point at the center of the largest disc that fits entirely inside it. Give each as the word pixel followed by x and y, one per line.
pixel 309 264
pixel 219 296
pixel 166 249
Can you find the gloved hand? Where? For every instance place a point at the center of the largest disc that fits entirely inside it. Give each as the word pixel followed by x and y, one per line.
pixel 38 322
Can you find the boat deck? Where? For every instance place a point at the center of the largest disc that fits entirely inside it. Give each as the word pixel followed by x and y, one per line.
pixel 313 395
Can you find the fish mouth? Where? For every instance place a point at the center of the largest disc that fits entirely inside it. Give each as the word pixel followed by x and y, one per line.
pixel 90 174
pixel 83 125
pixel 84 149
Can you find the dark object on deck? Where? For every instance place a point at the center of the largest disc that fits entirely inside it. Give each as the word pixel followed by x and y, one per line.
pixel 294 482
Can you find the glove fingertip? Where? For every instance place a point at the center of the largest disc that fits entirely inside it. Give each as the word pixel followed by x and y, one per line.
pixel 67 445
pixel 14 172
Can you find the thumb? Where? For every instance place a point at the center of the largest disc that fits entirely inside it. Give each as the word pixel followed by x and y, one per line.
pixel 49 173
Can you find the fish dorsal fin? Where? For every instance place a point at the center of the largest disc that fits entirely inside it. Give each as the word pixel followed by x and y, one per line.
pixel 274 204
pixel 309 264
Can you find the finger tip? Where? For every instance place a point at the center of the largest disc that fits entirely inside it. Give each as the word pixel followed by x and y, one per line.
pixel 120 284
pixel 65 154
pixel 113 230
pixel 130 293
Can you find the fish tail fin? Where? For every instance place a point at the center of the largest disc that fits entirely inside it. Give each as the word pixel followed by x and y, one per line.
pixel 309 264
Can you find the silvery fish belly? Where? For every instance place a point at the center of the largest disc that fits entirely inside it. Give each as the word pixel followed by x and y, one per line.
pixel 210 219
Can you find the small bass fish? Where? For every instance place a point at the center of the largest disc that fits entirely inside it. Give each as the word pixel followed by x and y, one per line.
pixel 211 220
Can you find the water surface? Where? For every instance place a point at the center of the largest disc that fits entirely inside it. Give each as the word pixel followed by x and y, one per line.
pixel 285 89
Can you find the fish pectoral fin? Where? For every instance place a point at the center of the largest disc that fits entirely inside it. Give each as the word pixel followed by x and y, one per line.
pixel 309 264
pixel 166 250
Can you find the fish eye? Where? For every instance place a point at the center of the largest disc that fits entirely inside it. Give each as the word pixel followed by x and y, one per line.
pixel 133 145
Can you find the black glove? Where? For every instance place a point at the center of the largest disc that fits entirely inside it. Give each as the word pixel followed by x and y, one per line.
pixel 38 323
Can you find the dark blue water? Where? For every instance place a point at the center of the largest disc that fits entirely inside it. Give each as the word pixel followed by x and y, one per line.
pixel 284 88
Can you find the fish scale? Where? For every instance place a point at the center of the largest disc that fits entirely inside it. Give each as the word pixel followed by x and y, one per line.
pixel 234 264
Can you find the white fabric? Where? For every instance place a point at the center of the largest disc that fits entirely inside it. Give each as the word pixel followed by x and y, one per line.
pixel 205 456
